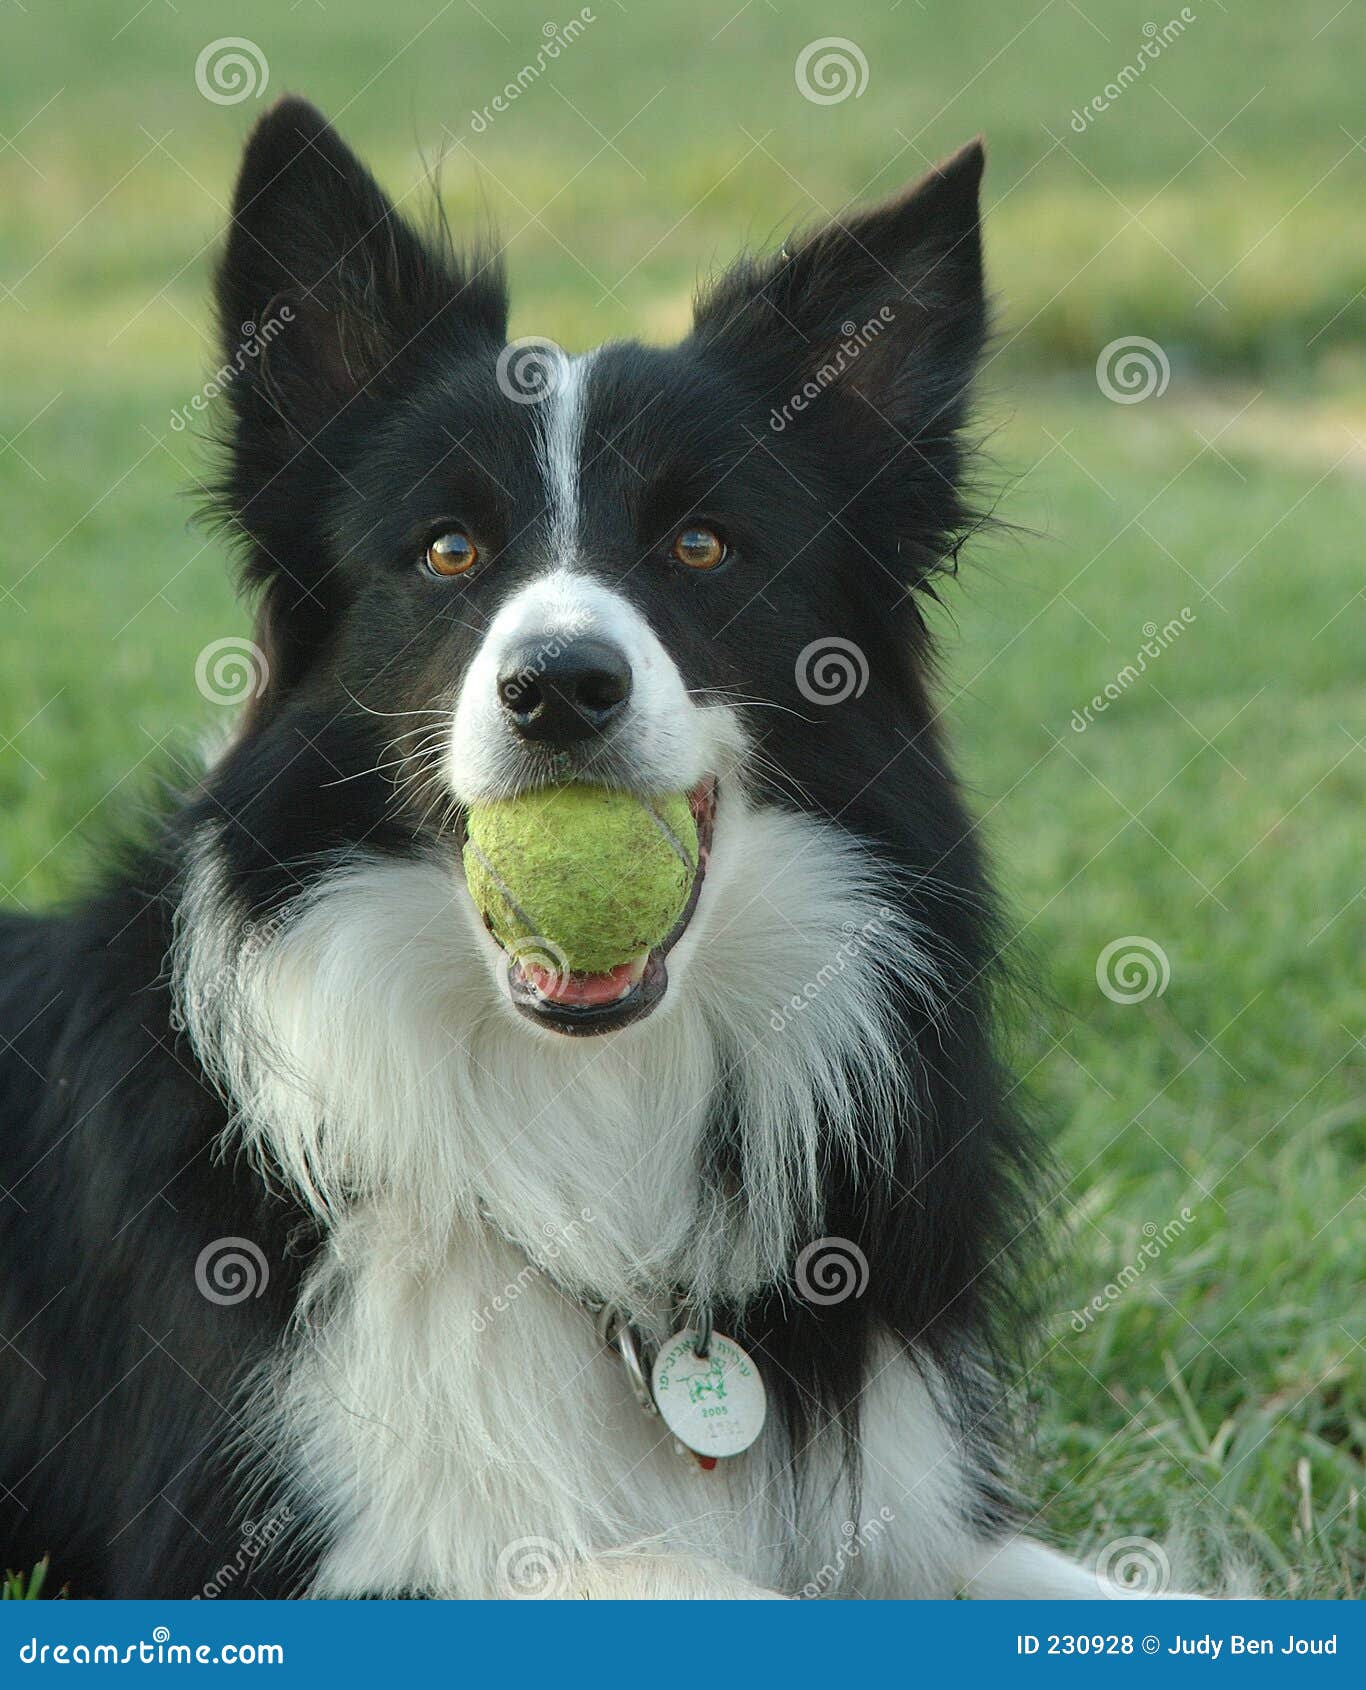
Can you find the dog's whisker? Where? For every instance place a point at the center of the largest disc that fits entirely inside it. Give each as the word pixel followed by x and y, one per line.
pixel 426 710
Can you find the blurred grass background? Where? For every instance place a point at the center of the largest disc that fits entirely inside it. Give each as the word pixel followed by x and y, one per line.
pixel 1214 808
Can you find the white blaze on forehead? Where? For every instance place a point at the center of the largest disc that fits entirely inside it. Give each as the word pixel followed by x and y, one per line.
pixel 559 418
pixel 662 742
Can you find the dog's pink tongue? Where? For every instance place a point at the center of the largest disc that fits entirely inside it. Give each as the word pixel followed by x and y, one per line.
pixel 586 989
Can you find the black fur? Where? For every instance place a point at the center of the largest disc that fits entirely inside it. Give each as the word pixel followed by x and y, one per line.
pixel 366 423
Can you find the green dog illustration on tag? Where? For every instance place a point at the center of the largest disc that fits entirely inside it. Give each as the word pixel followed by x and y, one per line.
pixel 708 1384
pixel 715 1403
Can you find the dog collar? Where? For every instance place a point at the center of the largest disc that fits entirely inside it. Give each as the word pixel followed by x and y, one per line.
pixel 704 1386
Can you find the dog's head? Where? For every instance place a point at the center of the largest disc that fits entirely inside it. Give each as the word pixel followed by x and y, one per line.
pixel 484 567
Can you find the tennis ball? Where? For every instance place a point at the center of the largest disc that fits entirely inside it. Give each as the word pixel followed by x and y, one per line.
pixel 600 877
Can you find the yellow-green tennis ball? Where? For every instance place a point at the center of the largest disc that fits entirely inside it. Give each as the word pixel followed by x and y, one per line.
pixel 599 877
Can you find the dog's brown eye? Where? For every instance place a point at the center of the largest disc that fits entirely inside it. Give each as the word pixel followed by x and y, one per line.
pixel 699 548
pixel 452 554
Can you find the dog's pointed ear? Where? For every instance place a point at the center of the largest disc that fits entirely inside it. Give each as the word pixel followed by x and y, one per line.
pixel 323 290
pixel 883 307
pixel 328 303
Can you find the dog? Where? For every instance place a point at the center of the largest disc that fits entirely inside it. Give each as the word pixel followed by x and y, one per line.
pixel 339 1242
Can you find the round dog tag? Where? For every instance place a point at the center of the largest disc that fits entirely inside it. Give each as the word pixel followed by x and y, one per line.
pixel 715 1404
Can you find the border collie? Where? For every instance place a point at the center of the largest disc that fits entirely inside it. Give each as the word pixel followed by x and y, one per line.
pixel 331 1265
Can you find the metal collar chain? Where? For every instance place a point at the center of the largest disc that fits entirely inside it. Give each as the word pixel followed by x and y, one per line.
pixel 614 1330
pixel 617 1331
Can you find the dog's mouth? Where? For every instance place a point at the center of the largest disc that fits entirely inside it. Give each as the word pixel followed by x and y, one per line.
pixel 582 1005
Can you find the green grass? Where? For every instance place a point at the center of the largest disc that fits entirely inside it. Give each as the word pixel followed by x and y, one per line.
pixel 1214 808
pixel 711 143
pixel 21 1587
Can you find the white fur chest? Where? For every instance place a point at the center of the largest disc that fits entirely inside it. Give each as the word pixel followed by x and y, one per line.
pixel 443 1401
pixel 461 1433
pixel 465 1434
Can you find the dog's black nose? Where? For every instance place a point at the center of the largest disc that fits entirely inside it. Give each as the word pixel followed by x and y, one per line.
pixel 561 693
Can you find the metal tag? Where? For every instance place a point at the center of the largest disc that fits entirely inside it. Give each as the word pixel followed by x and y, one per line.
pixel 714 1404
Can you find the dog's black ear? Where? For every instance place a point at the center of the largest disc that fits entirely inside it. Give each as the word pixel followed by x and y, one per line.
pixel 328 301
pixel 324 292
pixel 883 307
